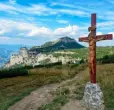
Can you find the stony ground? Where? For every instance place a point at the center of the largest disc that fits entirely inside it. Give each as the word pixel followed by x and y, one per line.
pixel 43 96
pixel 73 105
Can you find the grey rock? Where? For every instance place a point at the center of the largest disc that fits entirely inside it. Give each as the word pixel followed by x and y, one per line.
pixel 93 97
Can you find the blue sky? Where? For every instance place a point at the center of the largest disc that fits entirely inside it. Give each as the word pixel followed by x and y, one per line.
pixel 33 22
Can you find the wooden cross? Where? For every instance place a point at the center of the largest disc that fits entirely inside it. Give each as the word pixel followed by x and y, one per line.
pixel 92 39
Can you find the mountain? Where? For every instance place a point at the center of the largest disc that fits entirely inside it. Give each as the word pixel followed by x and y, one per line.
pixel 59 44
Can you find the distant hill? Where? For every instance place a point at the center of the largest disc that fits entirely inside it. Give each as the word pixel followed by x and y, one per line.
pixel 59 44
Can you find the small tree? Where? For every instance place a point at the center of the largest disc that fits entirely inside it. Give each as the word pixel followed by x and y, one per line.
pixel 81 61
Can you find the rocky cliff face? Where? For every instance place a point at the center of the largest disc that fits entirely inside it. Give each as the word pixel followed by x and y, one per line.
pixel 28 56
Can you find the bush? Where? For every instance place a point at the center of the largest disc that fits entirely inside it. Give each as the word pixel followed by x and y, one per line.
pixel 56 103
pixel 63 91
pixel 50 64
pixel 107 59
pixel 45 65
pixel 13 72
pixel 81 61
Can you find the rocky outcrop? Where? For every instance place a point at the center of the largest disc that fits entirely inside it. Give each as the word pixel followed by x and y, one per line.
pixel 93 97
pixel 32 58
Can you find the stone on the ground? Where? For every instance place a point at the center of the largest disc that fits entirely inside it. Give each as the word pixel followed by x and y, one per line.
pixel 93 97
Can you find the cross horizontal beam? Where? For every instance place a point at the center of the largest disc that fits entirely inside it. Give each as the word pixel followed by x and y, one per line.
pixel 83 39
pixel 104 37
pixel 98 38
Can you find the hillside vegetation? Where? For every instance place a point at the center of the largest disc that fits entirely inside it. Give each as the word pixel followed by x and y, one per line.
pixel 83 52
pixel 15 88
pixel 59 44
pixel 74 89
pixel 13 72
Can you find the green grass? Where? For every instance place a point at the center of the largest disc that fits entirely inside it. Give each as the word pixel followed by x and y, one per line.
pixel 56 103
pixel 105 77
pixel 15 88
pixel 83 52
pixel 11 100
pixel 60 100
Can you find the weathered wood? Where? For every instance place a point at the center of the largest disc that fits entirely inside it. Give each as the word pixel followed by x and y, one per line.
pixel 84 39
pixel 98 38
pixel 104 37
pixel 92 39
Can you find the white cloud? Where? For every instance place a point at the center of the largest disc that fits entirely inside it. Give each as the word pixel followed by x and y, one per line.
pixel 73 12
pixel 40 31
pixel 2 32
pixel 62 4
pixel 6 26
pixel 5 7
pixel 105 24
pixel 22 41
pixel 99 33
pixel 12 1
pixel 31 30
pixel 4 38
pixel 25 33
pixel 108 15
pixel 59 32
pixel 67 31
pixel 39 9
pixel 33 9
pixel 14 28
pixel 62 21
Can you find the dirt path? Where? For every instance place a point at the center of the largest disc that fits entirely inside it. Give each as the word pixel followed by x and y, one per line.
pixel 36 98
pixel 43 96
pixel 73 105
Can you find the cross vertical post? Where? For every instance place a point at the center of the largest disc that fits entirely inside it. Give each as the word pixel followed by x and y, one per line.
pixel 93 73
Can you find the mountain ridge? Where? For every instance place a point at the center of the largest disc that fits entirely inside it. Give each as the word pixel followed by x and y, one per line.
pixel 59 44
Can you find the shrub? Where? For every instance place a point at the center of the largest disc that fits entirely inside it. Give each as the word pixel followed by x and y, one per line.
pixel 56 103
pixel 13 72
pixel 63 91
pixel 81 61
pixel 107 59
pixel 44 65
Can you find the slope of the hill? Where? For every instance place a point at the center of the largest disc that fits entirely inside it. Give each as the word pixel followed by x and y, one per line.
pixel 59 44
pixel 69 91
